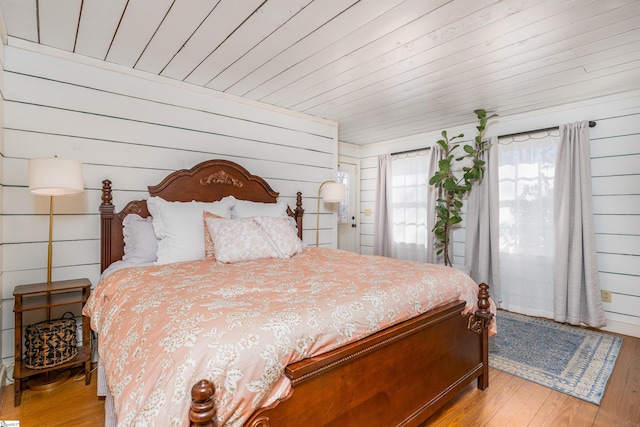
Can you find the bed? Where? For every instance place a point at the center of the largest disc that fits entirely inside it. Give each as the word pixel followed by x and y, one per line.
pixel 389 368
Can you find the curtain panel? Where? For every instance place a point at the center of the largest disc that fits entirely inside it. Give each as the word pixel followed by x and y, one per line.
pixel 383 225
pixel 482 236
pixel 576 284
pixel 433 194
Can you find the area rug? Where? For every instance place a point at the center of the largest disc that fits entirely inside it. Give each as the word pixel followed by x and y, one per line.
pixel 569 359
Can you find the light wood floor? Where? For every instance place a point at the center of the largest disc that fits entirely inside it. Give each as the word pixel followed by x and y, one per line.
pixel 509 401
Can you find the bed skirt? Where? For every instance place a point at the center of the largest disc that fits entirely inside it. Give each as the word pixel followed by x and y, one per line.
pixel 103 391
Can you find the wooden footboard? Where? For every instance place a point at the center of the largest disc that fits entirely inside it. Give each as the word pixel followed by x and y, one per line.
pixel 396 377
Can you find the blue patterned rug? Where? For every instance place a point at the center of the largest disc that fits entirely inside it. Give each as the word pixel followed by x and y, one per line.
pixel 569 359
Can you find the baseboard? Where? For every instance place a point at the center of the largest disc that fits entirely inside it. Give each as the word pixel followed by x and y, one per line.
pixel 623 328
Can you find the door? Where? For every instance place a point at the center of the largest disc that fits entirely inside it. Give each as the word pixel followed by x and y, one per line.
pixel 348 219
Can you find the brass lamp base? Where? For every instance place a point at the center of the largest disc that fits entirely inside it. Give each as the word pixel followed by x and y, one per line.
pixel 48 380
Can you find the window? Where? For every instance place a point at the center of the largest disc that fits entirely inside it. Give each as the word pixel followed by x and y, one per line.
pixel 343 207
pixel 410 184
pixel 526 180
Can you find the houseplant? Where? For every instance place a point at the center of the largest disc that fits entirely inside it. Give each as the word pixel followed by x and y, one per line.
pixel 454 179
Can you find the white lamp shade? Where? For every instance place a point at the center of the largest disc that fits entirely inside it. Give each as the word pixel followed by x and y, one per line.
pixel 333 192
pixel 55 177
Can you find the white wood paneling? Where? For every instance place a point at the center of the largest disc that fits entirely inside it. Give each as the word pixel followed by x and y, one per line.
pixel 93 76
pixel 379 59
pixel 58 20
pixel 622 165
pixel 616 205
pixel 133 131
pixel 98 24
pixel 266 20
pixel 626 184
pixel 307 21
pixel 619 283
pixel 260 83
pixel 24 18
pixel 2 216
pixel 137 27
pixel 219 24
pixel 614 146
pixel 174 32
pixel 384 69
pixel 617 224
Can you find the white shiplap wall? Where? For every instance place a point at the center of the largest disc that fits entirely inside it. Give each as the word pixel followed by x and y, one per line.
pixel 2 305
pixel 133 128
pixel 615 163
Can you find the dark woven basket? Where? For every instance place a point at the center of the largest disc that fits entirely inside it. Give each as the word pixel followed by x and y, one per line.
pixel 50 343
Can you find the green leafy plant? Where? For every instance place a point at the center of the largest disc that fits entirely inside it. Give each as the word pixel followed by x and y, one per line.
pixel 456 174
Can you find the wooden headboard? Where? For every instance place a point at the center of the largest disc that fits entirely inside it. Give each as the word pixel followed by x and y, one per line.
pixel 206 182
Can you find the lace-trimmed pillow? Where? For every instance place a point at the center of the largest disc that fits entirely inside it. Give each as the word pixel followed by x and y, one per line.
pixel 246 239
pixel 140 243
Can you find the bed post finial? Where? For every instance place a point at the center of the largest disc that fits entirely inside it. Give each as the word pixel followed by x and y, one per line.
pixel 479 321
pixel 106 193
pixel 299 201
pixel 483 301
pixel 107 212
pixel 202 409
pixel 299 211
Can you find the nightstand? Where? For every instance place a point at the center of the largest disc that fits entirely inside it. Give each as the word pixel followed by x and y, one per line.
pixel 45 296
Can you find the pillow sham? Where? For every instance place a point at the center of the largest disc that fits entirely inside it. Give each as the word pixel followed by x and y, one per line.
pixel 246 239
pixel 283 238
pixel 209 252
pixel 180 229
pixel 247 209
pixel 140 242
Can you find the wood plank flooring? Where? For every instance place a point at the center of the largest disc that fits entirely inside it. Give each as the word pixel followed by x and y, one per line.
pixel 509 401
pixel 512 401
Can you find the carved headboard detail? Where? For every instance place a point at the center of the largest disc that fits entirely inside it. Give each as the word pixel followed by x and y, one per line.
pixel 206 182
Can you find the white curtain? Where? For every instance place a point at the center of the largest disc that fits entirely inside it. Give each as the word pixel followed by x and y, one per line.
pixel 526 180
pixel 577 289
pixel 433 194
pixel 383 227
pixel 410 187
pixel 482 236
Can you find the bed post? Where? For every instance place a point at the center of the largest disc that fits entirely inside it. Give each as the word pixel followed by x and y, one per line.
pixel 299 212
pixel 479 323
pixel 202 407
pixel 107 211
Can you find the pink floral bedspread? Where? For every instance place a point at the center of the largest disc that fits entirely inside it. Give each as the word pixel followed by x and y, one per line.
pixel 163 328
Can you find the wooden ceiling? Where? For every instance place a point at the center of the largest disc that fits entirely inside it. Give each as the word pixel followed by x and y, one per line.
pixel 383 69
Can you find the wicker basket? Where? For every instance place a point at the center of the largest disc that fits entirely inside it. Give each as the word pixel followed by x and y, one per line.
pixel 50 343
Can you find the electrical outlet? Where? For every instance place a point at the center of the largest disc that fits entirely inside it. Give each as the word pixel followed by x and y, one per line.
pixel 606 296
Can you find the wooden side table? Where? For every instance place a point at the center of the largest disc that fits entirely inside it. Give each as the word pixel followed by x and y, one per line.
pixel 45 296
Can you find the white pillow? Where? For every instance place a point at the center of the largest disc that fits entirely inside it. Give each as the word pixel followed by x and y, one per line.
pixel 248 209
pixel 179 227
pixel 140 242
pixel 246 239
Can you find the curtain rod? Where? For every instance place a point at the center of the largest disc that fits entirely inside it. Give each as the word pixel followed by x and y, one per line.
pixel 592 124
pixel 415 150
